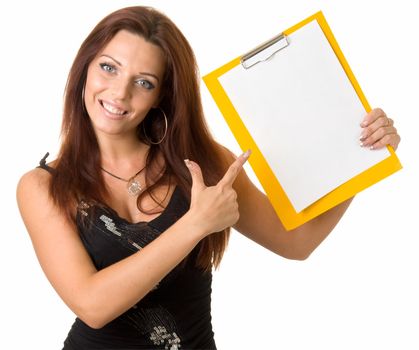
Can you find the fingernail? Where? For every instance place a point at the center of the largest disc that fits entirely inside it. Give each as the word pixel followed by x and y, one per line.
pixel 364 123
pixel 188 163
pixel 247 154
pixel 361 144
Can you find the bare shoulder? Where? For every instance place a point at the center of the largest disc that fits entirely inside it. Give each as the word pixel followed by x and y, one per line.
pixel 35 204
pixel 228 154
pixel 33 185
pixel 36 176
pixel 228 157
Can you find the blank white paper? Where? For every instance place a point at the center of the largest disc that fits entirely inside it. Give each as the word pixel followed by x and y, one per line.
pixel 304 115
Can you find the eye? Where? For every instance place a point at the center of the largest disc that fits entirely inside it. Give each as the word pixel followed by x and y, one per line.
pixel 107 67
pixel 145 84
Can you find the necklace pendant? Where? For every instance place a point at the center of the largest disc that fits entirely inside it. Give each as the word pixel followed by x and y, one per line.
pixel 134 187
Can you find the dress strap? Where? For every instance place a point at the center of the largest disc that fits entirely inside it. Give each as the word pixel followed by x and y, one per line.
pixel 43 164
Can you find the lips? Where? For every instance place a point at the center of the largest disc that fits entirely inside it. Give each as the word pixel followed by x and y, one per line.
pixel 112 108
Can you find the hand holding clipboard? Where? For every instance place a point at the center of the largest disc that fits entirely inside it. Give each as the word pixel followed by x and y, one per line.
pixel 296 103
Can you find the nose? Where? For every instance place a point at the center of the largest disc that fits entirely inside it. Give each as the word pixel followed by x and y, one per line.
pixel 120 89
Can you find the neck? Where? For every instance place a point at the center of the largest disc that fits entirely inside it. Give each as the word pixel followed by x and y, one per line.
pixel 122 152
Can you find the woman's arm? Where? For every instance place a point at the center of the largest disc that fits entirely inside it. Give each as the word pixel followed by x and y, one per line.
pixel 97 297
pixel 259 221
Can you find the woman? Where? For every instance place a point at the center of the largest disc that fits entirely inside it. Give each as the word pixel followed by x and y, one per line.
pixel 133 233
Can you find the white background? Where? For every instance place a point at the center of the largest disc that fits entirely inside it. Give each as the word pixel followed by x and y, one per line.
pixel 358 290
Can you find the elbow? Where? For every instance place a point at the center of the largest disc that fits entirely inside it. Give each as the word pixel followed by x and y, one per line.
pixel 95 310
pixel 97 315
pixel 91 319
pixel 92 316
pixel 297 254
pixel 302 245
pixel 302 256
pixel 93 322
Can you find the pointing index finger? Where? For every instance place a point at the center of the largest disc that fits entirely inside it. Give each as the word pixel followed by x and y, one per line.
pixel 234 169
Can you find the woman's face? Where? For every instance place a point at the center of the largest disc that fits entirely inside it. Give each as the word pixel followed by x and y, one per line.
pixel 123 83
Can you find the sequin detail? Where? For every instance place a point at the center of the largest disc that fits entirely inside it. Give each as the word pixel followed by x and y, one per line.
pixel 82 207
pixel 110 225
pixel 160 336
pixel 158 323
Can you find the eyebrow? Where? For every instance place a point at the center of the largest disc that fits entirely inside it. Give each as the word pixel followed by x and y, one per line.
pixel 142 73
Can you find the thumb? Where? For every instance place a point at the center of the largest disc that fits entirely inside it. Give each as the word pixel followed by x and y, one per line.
pixel 196 174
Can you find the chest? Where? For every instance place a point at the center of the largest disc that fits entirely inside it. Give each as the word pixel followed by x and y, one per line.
pixel 143 207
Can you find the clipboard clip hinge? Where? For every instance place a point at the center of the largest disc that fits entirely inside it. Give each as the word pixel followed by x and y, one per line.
pixel 264 51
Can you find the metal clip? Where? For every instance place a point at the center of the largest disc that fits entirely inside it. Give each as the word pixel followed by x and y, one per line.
pixel 264 51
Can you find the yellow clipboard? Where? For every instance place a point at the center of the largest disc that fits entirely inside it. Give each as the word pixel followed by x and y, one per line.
pixel 290 214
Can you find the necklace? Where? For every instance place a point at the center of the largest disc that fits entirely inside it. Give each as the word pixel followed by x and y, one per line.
pixel 133 185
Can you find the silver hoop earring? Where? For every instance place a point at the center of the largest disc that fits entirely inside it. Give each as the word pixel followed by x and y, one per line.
pixel 82 99
pixel 165 131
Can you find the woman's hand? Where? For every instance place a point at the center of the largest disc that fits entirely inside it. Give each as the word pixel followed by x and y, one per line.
pixel 215 208
pixel 378 131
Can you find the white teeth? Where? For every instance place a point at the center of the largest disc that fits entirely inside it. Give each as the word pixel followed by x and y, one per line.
pixel 112 109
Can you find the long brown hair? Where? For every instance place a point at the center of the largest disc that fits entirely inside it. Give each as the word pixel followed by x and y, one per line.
pixel 78 174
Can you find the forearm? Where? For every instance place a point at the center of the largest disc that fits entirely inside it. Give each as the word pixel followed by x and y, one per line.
pixel 115 289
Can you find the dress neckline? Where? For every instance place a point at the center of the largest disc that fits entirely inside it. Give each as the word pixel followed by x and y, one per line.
pixel 142 222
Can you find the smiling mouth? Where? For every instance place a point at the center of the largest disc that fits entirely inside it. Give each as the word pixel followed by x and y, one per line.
pixel 112 109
